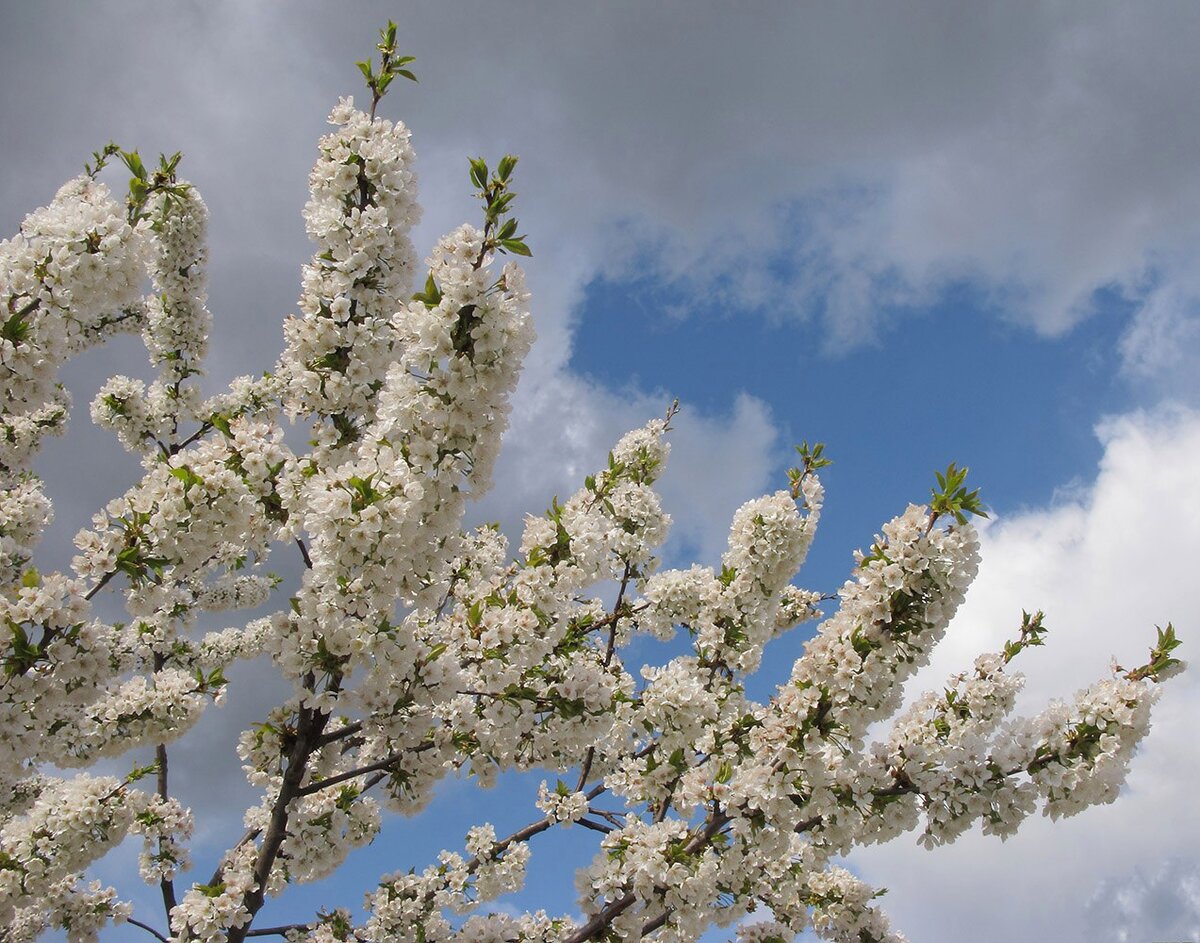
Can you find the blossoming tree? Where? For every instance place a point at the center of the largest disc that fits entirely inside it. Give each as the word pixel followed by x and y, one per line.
pixel 415 648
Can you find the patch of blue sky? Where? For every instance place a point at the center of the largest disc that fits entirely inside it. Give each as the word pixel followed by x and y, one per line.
pixel 947 382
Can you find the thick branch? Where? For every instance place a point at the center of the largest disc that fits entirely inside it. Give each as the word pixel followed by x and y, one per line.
pixel 166 885
pixel 308 731
pixel 598 924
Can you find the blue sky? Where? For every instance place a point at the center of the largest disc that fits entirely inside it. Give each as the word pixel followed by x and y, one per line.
pixel 919 232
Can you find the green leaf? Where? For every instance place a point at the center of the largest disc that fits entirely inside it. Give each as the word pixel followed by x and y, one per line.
pixel 15 329
pixel 499 204
pixel 133 161
pixel 516 247
pixel 479 172
pixel 432 295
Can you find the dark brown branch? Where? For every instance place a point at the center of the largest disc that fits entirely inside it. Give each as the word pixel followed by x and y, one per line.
pixel 145 926
pixel 166 885
pixel 600 921
pixel 308 730
pixel 651 925
pixel 251 835
pixel 100 585
pixel 383 764
pixel 205 428
pixel 334 735
pixel 596 926
pixel 520 835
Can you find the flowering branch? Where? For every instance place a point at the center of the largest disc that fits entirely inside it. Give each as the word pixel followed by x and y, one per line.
pixel 414 646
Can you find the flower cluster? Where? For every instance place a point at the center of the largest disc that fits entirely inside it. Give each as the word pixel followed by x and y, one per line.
pixel 362 206
pixel 67 280
pixel 562 805
pixel 208 911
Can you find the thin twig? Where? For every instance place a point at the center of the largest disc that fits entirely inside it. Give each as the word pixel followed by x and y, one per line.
pixel 595 927
pixel 100 585
pixel 249 836
pixel 586 768
pixel 145 926
pixel 381 765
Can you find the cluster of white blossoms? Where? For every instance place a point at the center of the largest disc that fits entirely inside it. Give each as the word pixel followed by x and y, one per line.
pixel 69 279
pixel 416 648
pixel 175 328
pixel 561 804
pixel 362 207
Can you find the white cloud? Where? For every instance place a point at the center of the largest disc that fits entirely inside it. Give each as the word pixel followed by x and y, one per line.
pixel 564 427
pixel 1105 568
pixel 1162 344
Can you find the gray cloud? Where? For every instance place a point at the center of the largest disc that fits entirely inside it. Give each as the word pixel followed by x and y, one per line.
pixel 875 155
pixel 1158 903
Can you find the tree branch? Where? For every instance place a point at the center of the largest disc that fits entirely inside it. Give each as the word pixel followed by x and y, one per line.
pixel 614 617
pixel 334 735
pixel 308 730
pixel 279 931
pixel 145 926
pixel 166 885
pixel 100 585
pixel 596 926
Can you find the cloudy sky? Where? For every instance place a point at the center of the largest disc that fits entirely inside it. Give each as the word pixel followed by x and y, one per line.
pixel 918 232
